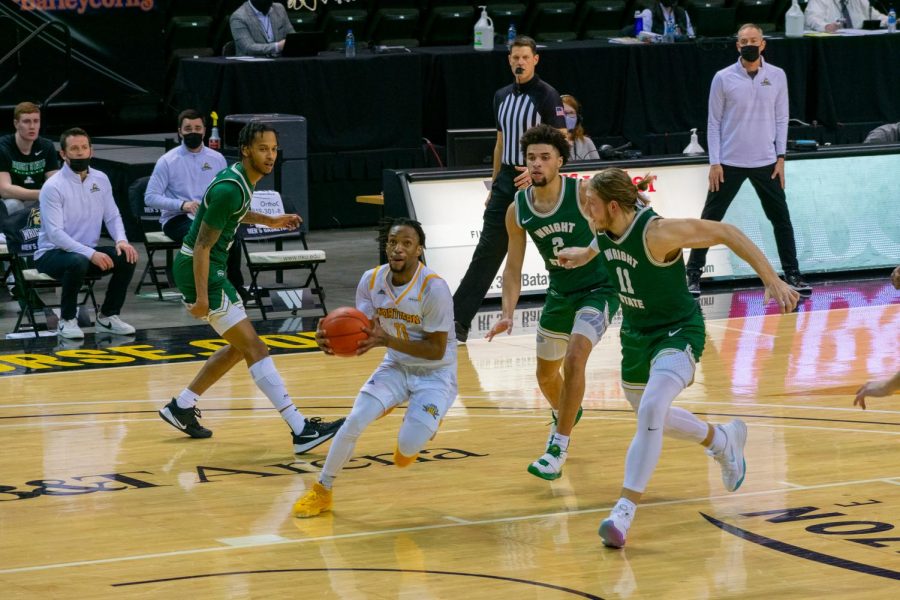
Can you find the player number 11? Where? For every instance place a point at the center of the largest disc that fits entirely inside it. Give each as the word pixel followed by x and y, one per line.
pixel 624 280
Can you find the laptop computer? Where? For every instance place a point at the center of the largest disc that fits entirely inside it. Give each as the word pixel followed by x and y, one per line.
pixel 303 43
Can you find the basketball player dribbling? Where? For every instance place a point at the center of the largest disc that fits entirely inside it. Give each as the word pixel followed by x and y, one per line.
pixel 411 310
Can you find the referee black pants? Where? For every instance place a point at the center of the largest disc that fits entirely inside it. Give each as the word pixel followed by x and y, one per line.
pixel 490 251
pixel 774 204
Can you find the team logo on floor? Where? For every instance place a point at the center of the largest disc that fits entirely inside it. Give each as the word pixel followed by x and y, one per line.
pixel 857 534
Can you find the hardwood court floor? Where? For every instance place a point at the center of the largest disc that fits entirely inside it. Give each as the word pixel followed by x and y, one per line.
pixel 101 499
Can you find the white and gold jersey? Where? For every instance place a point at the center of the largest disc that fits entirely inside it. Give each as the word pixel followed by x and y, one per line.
pixel 424 305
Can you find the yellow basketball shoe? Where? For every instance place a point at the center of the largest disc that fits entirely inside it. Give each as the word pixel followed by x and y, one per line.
pixel 314 502
pixel 404 461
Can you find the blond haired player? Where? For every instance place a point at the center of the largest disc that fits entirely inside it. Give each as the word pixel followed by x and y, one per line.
pixel 411 309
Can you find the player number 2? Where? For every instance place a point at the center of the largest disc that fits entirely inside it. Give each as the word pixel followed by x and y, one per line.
pixel 624 280
pixel 401 331
pixel 558 244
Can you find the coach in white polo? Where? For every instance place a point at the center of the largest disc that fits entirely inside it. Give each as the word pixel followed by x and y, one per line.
pixel 75 202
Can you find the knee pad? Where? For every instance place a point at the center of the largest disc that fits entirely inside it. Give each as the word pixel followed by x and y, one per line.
pixel 591 323
pixel 677 364
pixel 551 346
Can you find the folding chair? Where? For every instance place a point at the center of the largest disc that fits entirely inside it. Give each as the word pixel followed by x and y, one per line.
pixel 22 240
pixel 151 235
pixel 279 259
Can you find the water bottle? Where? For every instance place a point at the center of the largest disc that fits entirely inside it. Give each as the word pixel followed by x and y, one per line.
pixel 892 20
pixel 511 35
pixel 484 32
pixel 638 23
pixel 793 21
pixel 349 44
pixel 214 140
pixel 669 31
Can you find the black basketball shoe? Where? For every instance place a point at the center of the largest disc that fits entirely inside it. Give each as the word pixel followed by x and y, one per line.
pixel 796 281
pixel 315 432
pixel 184 419
pixel 693 282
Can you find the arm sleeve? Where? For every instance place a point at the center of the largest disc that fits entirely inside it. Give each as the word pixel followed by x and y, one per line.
pixel 817 15
pixel 243 40
pixel 53 222
pixel 714 121
pixel 112 218
pixel 155 196
pixel 782 116
pixel 589 151
pixel 437 306
pixel 222 201
pixel 690 26
pixel 551 110
pixel 363 296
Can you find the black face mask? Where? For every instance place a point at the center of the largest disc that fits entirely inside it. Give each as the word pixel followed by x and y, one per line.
pixel 668 3
pixel 193 140
pixel 79 165
pixel 262 6
pixel 750 53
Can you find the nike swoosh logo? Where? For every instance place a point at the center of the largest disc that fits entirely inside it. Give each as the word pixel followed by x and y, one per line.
pixel 38 153
pixel 311 436
pixel 671 333
pixel 652 428
pixel 176 422
pixel 526 220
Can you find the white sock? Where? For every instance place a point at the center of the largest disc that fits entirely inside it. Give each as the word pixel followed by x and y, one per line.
pixel 643 453
pixel 365 410
pixel 270 383
pixel 627 504
pixel 562 441
pixel 186 399
pixel 718 442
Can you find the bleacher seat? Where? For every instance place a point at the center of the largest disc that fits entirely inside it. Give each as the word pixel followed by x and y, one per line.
pixel 713 18
pixel 394 24
pixel 602 19
pixel 553 22
pixel 188 32
pixel 337 21
pixel 761 12
pixel 448 25
pixel 503 13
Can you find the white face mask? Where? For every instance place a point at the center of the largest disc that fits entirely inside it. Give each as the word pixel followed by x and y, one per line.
pixel 571 122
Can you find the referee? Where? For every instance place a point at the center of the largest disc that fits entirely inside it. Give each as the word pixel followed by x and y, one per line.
pixel 517 108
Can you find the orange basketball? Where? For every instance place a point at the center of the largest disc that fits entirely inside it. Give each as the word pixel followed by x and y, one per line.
pixel 343 329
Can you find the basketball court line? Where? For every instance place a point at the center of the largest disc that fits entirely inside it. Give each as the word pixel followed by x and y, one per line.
pixel 750 331
pixel 420 528
pixel 214 417
pixel 264 403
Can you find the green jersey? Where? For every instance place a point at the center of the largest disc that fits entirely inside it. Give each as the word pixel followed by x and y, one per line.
pixel 563 227
pixel 653 295
pixel 226 201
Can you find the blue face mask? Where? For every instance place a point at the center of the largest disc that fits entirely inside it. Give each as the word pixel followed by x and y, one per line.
pixel 571 122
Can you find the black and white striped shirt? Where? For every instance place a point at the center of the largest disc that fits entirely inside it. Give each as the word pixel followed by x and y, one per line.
pixel 519 108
